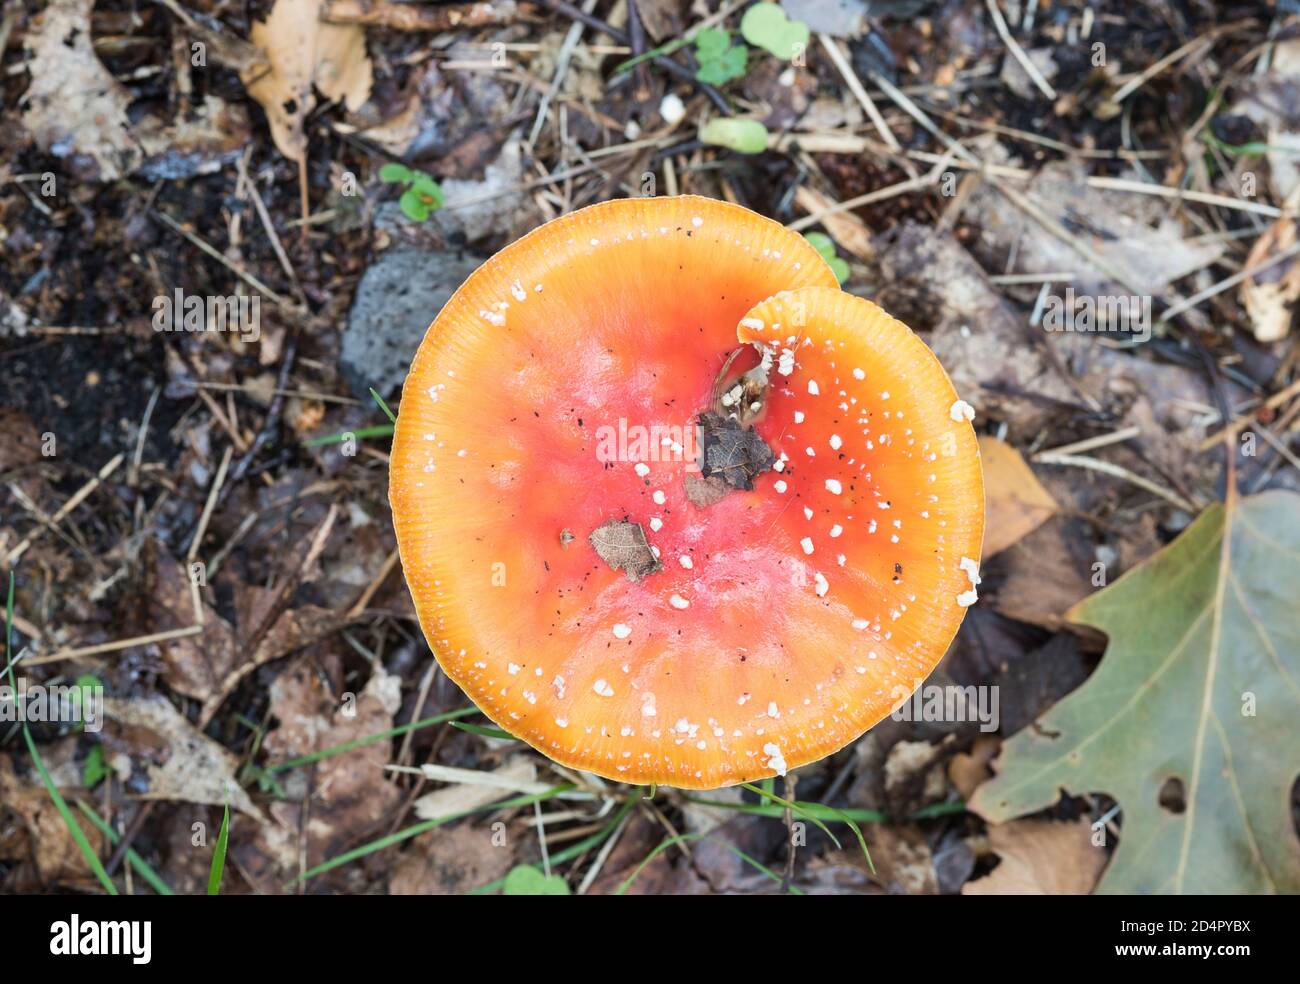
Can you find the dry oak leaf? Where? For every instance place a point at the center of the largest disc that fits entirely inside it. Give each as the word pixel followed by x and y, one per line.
pixel 1041 857
pixel 303 52
pixel 1015 502
pixel 1200 683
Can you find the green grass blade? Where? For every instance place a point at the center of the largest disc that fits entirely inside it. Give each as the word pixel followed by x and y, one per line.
pixel 574 850
pixel 374 395
pixel 795 808
pixel 663 846
pixel 361 433
pixel 664 49
pixel 939 810
pixel 759 866
pixel 419 828
pixel 141 866
pixel 827 813
pixel 74 828
pixel 478 729
pixel 348 746
pixel 219 855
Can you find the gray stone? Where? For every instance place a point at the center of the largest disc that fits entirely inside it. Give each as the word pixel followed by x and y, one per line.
pixel 397 299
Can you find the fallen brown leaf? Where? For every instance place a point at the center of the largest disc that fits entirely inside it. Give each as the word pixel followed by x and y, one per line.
pixel 181 762
pixel 40 844
pixel 1015 502
pixel 1270 297
pixel 76 109
pixel 1041 857
pixel 450 861
pixel 968 770
pixel 344 797
pixel 302 53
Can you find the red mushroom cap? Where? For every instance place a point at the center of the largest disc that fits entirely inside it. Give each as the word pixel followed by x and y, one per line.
pixel 649 575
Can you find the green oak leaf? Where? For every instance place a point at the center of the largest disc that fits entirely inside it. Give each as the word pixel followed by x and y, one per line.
pixel 524 879
pixel 765 25
pixel 1200 683
pixel 742 136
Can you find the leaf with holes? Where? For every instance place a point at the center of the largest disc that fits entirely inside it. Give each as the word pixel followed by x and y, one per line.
pixel 1199 689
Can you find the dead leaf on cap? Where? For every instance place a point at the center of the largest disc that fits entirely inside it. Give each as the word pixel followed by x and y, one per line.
pixel 185 765
pixel 304 53
pixel 1270 297
pixel 1041 857
pixel 1015 501
pixel 623 546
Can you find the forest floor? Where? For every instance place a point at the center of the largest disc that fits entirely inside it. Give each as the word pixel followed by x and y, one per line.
pixel 971 162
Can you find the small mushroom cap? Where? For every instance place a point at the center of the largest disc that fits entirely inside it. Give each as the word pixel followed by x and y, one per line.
pixel 558 391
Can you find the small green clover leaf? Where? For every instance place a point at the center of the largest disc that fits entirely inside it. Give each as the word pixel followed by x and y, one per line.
pixel 395 173
pixel 711 42
pixel 720 61
pixel 826 248
pixel 766 26
pixel 742 136
pixel 524 879
pixel 422 196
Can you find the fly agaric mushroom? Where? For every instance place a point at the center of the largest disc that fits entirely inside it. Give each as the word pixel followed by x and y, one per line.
pixel 663 548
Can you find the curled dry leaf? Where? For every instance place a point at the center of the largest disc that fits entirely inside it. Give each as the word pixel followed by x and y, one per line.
pixel 208 665
pixel 303 53
pixel 1270 297
pixel 967 771
pixel 1041 857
